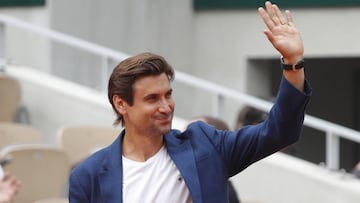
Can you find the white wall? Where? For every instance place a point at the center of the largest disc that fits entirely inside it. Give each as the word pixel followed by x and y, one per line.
pixel 24 47
pixel 226 40
pixel 215 45
pixel 161 26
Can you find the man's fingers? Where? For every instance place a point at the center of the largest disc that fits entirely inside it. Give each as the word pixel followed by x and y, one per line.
pixel 289 16
pixel 269 36
pixel 266 18
pixel 271 10
pixel 279 15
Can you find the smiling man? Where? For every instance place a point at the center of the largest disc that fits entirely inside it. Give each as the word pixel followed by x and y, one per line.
pixel 150 162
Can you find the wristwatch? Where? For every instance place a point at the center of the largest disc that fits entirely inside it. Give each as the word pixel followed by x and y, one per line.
pixel 297 66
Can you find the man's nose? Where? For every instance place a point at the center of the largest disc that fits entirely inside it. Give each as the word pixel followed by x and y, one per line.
pixel 165 106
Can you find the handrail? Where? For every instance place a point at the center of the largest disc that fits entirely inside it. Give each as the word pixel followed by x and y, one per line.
pixel 332 130
pixel 63 38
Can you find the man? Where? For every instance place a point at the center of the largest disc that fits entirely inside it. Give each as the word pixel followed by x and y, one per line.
pixel 149 162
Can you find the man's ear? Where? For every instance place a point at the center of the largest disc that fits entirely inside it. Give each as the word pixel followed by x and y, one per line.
pixel 119 104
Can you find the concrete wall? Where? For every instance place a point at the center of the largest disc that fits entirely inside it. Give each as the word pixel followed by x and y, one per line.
pixel 227 40
pixel 216 45
pixel 281 178
pixel 160 26
pixel 25 47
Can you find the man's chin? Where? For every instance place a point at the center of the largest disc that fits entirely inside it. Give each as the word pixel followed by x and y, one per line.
pixel 163 126
pixel 165 129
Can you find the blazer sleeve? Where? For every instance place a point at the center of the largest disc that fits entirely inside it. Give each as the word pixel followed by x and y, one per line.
pixel 282 127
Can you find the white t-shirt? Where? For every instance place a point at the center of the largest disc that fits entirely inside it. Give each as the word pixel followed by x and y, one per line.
pixel 155 180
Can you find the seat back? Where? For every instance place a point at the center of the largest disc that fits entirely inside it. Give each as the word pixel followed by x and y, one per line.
pixel 10 95
pixel 81 141
pixel 15 133
pixel 53 200
pixel 43 170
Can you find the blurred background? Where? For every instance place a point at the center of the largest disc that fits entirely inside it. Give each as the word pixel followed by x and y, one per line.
pixel 62 52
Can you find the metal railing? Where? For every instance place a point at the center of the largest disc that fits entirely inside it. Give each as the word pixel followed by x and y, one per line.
pixel 333 131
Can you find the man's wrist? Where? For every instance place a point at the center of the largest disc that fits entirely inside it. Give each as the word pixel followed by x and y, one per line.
pixel 295 66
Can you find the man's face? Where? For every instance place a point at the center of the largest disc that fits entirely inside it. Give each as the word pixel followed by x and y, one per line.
pixel 153 107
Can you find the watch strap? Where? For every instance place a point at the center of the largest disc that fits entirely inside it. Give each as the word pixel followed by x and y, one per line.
pixel 299 65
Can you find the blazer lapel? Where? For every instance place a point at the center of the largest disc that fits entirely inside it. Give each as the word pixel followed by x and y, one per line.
pixel 111 175
pixel 179 149
pixel 181 152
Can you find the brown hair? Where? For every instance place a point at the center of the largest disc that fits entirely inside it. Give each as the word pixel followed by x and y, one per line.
pixel 249 116
pixel 218 123
pixel 129 70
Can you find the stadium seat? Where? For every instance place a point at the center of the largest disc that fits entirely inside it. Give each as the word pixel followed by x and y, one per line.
pixel 42 169
pixel 81 141
pixel 15 133
pixel 10 95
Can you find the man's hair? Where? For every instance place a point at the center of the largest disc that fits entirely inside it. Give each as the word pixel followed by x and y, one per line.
pixel 249 116
pixel 128 71
pixel 216 122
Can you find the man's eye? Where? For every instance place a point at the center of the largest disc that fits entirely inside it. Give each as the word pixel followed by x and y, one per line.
pixel 151 99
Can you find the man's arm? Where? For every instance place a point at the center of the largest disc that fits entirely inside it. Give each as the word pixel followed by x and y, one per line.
pixel 286 39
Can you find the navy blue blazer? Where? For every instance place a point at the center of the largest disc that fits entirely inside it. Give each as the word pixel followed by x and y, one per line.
pixel 206 157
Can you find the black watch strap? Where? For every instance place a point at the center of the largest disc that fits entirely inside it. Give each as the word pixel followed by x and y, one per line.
pixel 297 66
